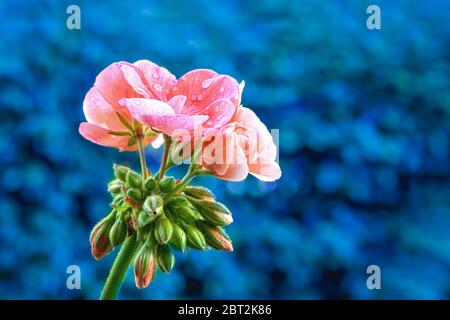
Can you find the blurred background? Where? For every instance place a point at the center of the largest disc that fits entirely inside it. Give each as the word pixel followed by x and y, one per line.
pixel 364 119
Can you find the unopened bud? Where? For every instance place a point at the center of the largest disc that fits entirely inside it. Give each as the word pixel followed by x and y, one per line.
pixel 118 200
pixel 150 184
pixel 167 184
pixel 163 230
pixel 120 172
pixel 178 201
pixel 215 237
pixel 186 214
pixel 153 204
pixel 194 237
pixel 144 266
pixel 133 179
pixel 199 193
pixel 115 187
pixel 118 231
pixel 166 260
pixel 134 194
pixel 100 243
pixel 213 212
pixel 145 217
pixel 178 238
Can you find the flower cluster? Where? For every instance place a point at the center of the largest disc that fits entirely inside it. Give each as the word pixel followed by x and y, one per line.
pixel 200 119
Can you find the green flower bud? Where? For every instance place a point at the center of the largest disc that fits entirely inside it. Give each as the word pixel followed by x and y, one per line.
pixel 186 214
pixel 120 172
pixel 163 230
pixel 199 193
pixel 150 184
pixel 166 260
pixel 178 238
pixel 194 237
pixel 134 194
pixel 145 217
pixel 214 212
pixel 115 186
pixel 153 204
pixel 118 200
pixel 178 201
pixel 133 179
pixel 215 237
pixel 100 243
pixel 118 231
pixel 145 266
pixel 167 184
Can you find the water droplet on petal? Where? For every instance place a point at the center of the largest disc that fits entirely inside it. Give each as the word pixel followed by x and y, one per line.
pixel 194 97
pixel 157 87
pixel 222 89
pixel 207 83
pixel 200 97
pixel 156 75
pixel 175 89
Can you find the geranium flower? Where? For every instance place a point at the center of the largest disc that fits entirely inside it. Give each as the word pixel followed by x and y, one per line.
pixel 243 146
pixel 108 122
pixel 200 97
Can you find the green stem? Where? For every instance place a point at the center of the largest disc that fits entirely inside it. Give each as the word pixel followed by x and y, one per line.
pixel 119 268
pixel 128 250
pixel 167 142
pixel 142 157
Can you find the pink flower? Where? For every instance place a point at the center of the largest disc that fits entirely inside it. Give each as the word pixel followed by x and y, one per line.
pixel 200 97
pixel 243 146
pixel 120 80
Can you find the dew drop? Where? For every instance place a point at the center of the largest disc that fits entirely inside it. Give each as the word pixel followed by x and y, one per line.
pixel 200 97
pixel 194 97
pixel 222 89
pixel 207 83
pixel 156 75
pixel 157 87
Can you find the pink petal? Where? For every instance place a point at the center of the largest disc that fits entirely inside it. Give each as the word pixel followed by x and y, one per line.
pixel 99 112
pixel 228 161
pixel 139 107
pixel 101 136
pixel 265 144
pixel 265 170
pixel 176 124
pixel 203 86
pixel 135 79
pixel 177 103
pixel 159 80
pixel 219 112
pixel 113 86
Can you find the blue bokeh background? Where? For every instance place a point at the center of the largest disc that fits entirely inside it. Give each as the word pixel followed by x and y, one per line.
pixel 364 119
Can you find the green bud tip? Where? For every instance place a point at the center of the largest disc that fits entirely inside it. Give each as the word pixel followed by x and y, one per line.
pixel 166 260
pixel 150 184
pixel 163 230
pixel 120 172
pixel 178 238
pixel 133 179
pixel 118 231
pixel 100 243
pixel 194 237
pixel 167 184
pixel 153 204
pixel 199 193
pixel 134 194
pixel 145 266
